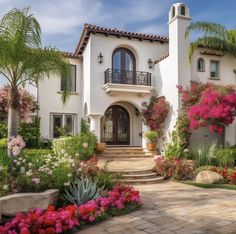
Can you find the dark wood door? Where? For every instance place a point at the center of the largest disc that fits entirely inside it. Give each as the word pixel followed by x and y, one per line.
pixel 116 126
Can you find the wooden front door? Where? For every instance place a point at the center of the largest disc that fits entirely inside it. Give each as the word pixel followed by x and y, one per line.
pixel 116 126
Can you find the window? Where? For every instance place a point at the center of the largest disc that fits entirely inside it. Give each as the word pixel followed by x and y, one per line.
pixel 173 12
pixel 214 69
pixel 182 10
pixel 70 83
pixel 62 123
pixel 201 65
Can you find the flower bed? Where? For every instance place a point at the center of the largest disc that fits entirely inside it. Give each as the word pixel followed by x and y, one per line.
pixel 73 217
pixel 179 169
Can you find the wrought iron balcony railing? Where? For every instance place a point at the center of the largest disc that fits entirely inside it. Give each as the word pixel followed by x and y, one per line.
pixel 127 77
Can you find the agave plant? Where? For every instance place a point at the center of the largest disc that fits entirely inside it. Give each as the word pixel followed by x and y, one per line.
pixel 82 190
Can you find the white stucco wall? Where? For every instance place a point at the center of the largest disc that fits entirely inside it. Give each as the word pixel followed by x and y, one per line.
pixel 49 99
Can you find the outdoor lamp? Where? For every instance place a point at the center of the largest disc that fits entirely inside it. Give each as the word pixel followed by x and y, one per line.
pixel 100 58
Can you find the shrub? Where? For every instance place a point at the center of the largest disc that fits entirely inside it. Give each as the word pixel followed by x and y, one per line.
pixel 226 156
pixel 204 155
pixel 175 168
pixel 3 143
pixel 34 153
pixel 82 146
pixel 3 130
pixel 151 136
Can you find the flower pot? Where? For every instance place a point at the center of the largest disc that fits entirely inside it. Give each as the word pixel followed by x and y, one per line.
pixel 151 146
pixel 100 147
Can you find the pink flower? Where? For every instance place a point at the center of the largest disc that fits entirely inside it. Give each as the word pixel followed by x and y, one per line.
pixel 36 180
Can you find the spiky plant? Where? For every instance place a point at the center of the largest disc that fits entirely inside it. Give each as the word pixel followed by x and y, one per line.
pixel 215 37
pixel 82 190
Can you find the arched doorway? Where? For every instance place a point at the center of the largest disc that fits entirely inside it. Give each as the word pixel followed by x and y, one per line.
pixel 123 66
pixel 116 126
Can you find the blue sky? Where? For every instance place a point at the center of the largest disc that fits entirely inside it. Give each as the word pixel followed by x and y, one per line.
pixel 62 20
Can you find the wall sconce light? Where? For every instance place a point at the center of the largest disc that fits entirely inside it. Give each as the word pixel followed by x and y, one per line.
pixel 150 63
pixel 100 58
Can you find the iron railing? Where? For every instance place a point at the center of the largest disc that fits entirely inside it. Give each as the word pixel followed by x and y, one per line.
pixel 127 77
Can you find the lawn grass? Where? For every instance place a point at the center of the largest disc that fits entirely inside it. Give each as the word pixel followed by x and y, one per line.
pixel 209 186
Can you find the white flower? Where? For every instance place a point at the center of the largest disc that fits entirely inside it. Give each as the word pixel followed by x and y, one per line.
pixel 22 170
pixel 1 168
pixel 63 151
pixel 69 175
pixel 29 173
pixel 5 187
pixel 186 150
pixel 18 163
pixel 20 159
pixel 15 161
pixel 23 161
pixel 30 164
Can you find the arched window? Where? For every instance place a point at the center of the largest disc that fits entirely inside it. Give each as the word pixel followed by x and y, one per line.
pixel 201 65
pixel 123 66
pixel 182 10
pixel 173 11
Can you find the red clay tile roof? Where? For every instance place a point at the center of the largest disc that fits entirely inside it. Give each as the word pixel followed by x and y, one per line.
pixel 89 28
pixel 161 58
pixel 69 54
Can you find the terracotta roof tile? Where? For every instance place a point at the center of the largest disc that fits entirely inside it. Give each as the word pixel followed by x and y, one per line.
pixel 89 28
pixel 69 54
pixel 164 56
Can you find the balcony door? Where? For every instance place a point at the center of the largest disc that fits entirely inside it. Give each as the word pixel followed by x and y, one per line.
pixel 116 126
pixel 123 66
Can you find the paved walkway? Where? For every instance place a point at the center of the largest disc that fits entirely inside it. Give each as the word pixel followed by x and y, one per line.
pixel 173 207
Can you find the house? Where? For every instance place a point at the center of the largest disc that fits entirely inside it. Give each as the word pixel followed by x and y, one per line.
pixel 114 71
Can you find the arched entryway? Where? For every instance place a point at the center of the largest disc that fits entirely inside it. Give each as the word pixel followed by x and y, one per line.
pixel 116 126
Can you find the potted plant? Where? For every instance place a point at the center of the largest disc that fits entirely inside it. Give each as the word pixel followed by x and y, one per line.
pixel 101 146
pixel 152 137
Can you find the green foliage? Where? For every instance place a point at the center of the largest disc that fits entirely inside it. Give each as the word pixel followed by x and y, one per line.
pixel 204 155
pixel 179 139
pixel 151 136
pixel 3 143
pixel 84 127
pixel 226 156
pixel 34 153
pixel 81 146
pixel 5 160
pixel 82 191
pixel 30 132
pixel 3 130
pixel 215 36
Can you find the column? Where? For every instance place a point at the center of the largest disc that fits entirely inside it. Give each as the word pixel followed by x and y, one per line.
pixel 145 128
pixel 95 125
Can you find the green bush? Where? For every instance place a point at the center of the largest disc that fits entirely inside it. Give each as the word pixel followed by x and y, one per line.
pixel 226 156
pixel 151 136
pixel 37 152
pixel 3 143
pixel 81 146
pixel 30 132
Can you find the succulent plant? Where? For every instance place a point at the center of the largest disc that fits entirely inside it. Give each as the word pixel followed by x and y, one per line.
pixel 82 190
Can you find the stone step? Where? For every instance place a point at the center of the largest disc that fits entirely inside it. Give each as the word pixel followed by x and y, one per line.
pixel 125 156
pixel 139 176
pixel 123 148
pixel 133 172
pixel 158 179
pixel 127 153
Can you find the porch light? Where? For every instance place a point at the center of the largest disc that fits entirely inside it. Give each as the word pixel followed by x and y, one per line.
pixel 100 58
pixel 150 63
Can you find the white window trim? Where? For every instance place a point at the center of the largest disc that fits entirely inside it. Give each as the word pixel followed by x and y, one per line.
pixel 74 131
pixel 218 70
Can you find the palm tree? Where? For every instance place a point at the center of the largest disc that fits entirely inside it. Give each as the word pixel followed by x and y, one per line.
pixel 22 59
pixel 215 37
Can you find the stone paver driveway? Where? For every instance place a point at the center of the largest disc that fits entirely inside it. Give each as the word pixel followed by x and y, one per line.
pixel 176 208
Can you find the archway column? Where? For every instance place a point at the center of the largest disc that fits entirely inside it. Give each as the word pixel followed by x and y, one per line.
pixel 145 128
pixel 95 125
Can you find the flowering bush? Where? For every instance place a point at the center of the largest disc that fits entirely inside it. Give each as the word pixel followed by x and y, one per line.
pixel 216 108
pixel 175 168
pixel 155 113
pixel 28 104
pixel 71 217
pixel 15 145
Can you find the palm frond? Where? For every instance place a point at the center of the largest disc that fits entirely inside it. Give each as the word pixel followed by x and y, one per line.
pixel 209 29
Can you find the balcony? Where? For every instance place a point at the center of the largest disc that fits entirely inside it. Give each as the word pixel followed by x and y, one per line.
pixel 124 81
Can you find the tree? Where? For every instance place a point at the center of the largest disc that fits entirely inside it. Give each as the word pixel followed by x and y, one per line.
pixel 22 59
pixel 215 37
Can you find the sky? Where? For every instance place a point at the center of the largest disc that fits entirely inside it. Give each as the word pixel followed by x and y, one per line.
pixel 62 20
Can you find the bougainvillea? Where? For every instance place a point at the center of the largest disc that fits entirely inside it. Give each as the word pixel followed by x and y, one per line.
pixel 28 104
pixel 209 105
pixel 216 109
pixel 155 113
pixel 71 217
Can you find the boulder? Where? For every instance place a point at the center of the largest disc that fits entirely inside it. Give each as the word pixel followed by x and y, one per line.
pixel 208 177
pixel 22 202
